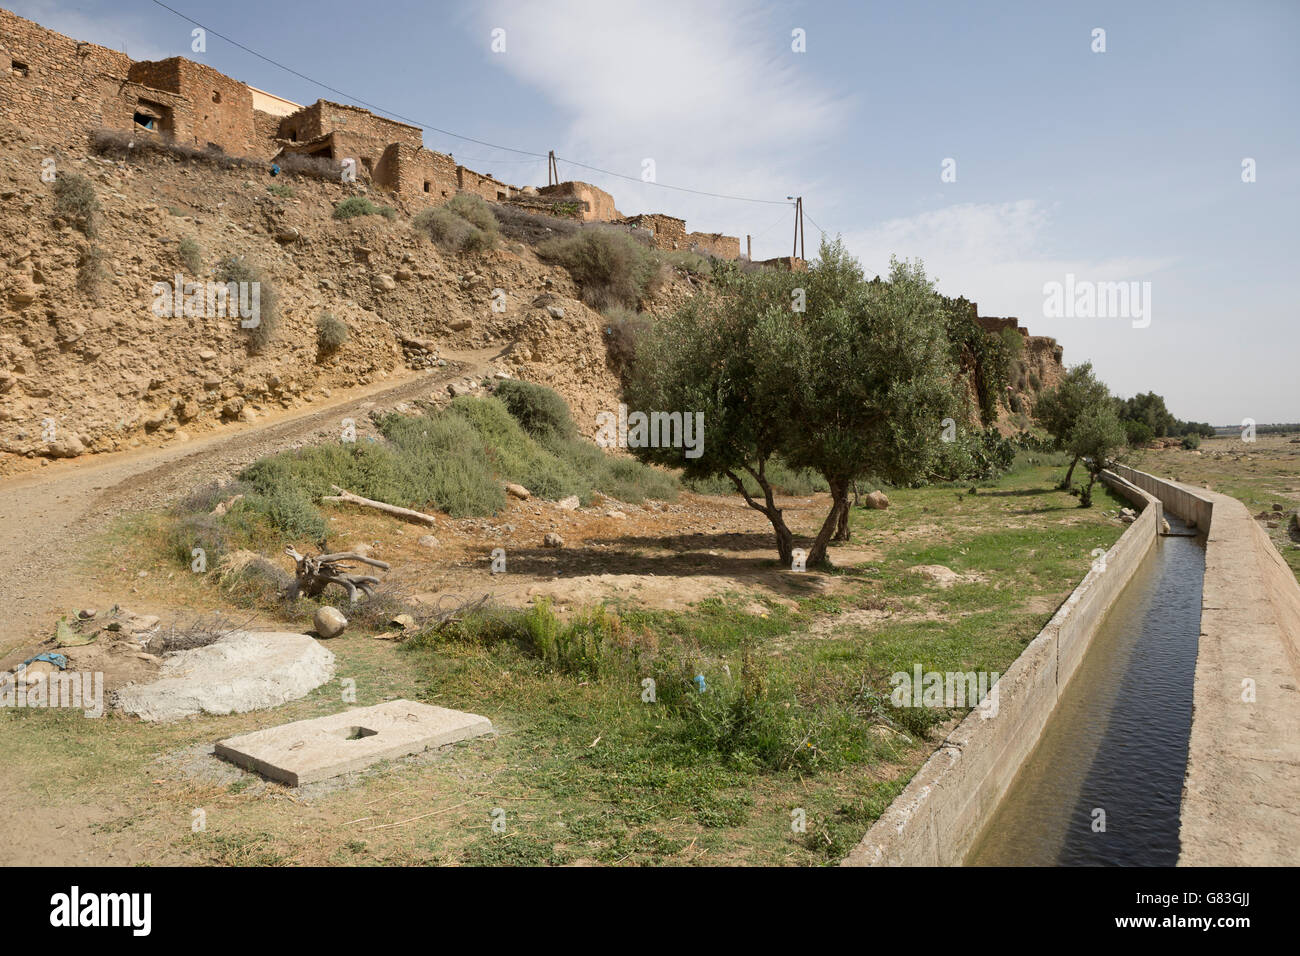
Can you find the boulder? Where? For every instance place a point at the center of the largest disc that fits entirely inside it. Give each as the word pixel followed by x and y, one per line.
pixel 382 282
pixel 552 540
pixel 329 622
pixel 877 500
pixel 518 491
pixel 427 541
pixel 570 503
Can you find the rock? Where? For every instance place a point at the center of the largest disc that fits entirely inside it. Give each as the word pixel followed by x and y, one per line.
pixel 287 234
pixel 877 500
pixel 612 513
pixel 329 622
pixel 552 540
pixel 1279 508
pixel 456 389
pixel 427 541
pixel 555 311
pixel 570 503
pixel 382 282
pixel 460 325
pixel 86 613
pixel 518 491
pixel 937 574
pixel 70 447
pixel 246 414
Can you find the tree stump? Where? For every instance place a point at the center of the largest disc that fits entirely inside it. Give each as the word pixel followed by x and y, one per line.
pixel 312 574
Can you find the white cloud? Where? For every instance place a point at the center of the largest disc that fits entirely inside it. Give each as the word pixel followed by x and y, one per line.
pixel 993 254
pixel 710 91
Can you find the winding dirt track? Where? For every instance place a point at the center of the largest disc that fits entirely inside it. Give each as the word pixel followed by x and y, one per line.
pixel 48 515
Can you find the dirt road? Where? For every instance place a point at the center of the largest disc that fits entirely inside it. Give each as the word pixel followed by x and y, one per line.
pixel 47 516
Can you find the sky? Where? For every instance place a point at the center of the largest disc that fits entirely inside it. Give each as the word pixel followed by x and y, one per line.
pixel 1008 146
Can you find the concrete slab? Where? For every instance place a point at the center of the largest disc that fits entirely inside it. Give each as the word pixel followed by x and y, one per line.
pixel 309 750
pixel 245 670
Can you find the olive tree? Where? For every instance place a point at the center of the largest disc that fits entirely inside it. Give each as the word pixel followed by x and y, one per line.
pixel 1059 410
pixel 821 369
pixel 1096 437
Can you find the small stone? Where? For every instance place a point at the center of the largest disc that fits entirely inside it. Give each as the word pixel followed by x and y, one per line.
pixel 552 540
pixel 518 491
pixel 427 541
pixel 329 622
pixel 570 503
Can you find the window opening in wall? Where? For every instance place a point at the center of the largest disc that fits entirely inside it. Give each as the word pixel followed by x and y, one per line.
pixel 216 96
pixel 18 69
pixel 426 185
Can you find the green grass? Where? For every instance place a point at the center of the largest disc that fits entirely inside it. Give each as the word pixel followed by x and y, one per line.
pixel 455 460
pixel 584 767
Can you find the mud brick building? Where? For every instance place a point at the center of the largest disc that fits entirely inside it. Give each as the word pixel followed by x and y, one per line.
pixel 69 88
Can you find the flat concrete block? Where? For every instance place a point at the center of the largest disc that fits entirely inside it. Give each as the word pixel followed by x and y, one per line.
pixel 309 750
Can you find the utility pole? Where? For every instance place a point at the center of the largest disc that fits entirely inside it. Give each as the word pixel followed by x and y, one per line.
pixel 749 247
pixel 552 170
pixel 798 251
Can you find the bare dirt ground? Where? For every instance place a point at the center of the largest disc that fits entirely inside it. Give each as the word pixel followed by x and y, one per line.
pixel 48 516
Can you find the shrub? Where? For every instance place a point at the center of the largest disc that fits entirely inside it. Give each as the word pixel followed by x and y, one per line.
pixel 253 580
pixel 331 332
pixel 623 329
pixel 465 224
pixel 1191 442
pixel 541 411
pixel 1138 433
pixel 355 206
pixel 283 190
pixel 75 201
pixel 474 210
pixel 92 271
pixel 531 227
pixel 190 254
pixel 239 269
pixel 612 267
pixel 288 510
pixel 198 531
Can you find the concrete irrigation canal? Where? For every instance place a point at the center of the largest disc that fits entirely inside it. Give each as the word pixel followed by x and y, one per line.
pixel 1155 720
pixel 1105 782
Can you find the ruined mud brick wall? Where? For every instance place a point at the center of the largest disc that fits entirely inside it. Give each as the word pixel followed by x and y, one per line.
pixel 265 129
pixel 52 82
pixel 216 110
pixel 992 323
pixel 715 243
pixel 324 117
pixel 599 204
pixel 788 263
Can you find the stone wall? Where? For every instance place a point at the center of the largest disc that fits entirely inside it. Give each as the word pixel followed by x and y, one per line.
pixel 598 204
pixel 215 108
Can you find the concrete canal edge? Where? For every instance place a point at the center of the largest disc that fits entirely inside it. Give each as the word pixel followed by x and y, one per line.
pixel 1241 795
pixel 937 817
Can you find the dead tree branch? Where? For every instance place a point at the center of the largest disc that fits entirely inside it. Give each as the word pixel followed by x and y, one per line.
pixel 312 574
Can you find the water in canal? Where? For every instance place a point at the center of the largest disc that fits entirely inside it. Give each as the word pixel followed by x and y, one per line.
pixel 1117 740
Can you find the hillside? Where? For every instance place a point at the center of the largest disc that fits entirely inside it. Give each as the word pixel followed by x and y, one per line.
pixel 112 374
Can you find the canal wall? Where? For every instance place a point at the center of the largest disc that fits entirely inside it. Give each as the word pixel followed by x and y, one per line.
pixel 941 812
pixel 1241 793
pixel 1189 504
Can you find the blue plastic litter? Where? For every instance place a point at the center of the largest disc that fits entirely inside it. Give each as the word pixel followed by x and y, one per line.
pixel 58 660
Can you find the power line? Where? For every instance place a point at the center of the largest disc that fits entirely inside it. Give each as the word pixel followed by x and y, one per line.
pixel 469 139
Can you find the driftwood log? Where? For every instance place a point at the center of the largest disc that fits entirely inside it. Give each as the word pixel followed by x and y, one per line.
pixel 347 497
pixel 313 573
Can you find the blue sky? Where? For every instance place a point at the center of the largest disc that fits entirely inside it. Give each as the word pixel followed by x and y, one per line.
pixel 1122 166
